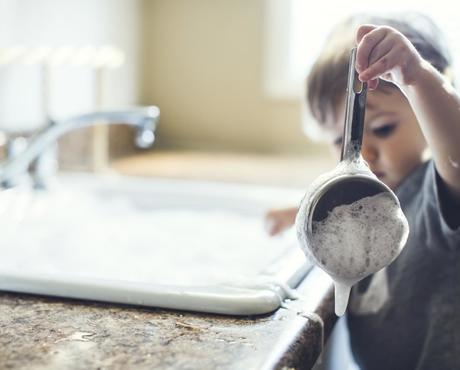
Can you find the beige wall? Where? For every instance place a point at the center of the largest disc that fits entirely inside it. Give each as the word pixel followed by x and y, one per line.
pixel 202 65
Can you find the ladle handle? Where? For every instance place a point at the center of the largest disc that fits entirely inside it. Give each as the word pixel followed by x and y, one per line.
pixel 354 113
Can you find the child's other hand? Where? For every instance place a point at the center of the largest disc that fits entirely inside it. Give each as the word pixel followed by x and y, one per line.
pixel 278 220
pixel 385 53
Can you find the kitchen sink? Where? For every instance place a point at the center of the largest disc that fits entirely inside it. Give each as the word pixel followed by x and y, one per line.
pixel 177 244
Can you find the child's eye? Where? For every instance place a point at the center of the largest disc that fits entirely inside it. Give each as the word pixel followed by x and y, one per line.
pixel 384 130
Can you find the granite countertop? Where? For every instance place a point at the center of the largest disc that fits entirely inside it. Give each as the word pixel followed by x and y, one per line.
pixel 53 333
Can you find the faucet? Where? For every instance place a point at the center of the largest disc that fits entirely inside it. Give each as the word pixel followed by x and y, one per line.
pixel 145 119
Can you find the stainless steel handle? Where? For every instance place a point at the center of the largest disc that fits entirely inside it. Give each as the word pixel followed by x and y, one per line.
pixel 354 113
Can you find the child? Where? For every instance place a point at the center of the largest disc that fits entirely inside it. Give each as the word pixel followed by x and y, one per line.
pixel 406 316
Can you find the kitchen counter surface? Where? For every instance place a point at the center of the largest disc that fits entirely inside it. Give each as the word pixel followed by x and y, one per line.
pixel 274 170
pixel 54 333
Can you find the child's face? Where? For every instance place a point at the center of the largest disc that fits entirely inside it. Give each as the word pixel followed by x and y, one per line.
pixel 393 144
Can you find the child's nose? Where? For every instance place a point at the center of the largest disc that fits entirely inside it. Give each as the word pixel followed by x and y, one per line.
pixel 369 152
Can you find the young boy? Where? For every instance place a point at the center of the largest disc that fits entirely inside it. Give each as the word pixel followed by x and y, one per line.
pixel 406 316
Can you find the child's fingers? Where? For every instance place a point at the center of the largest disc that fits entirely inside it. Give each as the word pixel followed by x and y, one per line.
pixel 366 46
pixel 363 30
pixel 381 49
pixel 360 33
pixel 274 226
pixel 372 84
pixel 270 227
pixel 273 223
pixel 277 221
pixel 379 67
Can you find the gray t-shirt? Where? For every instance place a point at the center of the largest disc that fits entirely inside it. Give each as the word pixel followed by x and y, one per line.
pixel 407 316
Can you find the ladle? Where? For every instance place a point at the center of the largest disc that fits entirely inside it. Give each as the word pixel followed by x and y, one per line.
pixel 351 181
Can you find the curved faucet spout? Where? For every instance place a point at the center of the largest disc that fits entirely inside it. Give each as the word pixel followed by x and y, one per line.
pixel 145 119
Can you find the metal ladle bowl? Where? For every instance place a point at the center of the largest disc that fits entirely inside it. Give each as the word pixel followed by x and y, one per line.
pixel 343 190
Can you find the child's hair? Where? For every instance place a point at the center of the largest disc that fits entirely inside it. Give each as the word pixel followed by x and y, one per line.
pixel 326 82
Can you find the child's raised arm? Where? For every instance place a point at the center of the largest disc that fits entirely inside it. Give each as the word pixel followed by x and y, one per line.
pixel 385 53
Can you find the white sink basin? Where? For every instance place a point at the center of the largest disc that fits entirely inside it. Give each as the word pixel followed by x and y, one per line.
pixel 175 244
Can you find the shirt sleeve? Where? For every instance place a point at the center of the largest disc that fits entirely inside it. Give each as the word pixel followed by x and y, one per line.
pixel 439 234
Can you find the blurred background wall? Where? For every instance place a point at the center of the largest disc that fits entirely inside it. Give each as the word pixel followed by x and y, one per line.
pixel 202 63
pixel 205 63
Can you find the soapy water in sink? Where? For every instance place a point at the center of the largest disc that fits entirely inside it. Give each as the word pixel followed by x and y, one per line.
pixel 80 234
